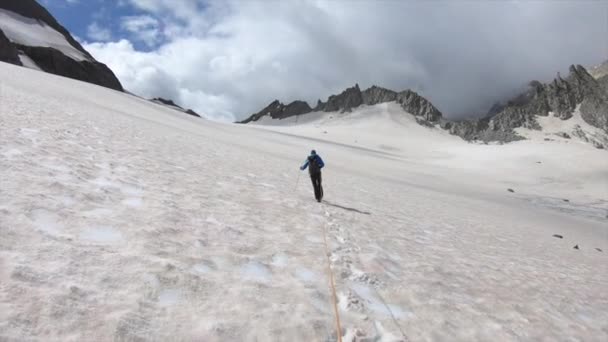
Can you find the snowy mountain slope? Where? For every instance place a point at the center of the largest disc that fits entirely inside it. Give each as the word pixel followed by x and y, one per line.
pixel 122 220
pixel 31 37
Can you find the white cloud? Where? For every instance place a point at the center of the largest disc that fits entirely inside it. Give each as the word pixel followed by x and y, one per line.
pixel 143 28
pixel 237 56
pixel 98 33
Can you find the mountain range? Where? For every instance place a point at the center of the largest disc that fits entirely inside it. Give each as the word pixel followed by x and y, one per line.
pixel 30 36
pixel 562 97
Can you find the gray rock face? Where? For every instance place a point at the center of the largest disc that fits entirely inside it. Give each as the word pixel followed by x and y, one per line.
pixel 8 52
pixel 344 102
pixel 417 105
pixel 375 95
pixel 561 97
pixel 51 60
pixel 173 104
pixel 55 62
pixel 603 81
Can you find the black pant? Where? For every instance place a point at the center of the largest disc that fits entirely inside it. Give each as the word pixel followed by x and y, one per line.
pixel 316 184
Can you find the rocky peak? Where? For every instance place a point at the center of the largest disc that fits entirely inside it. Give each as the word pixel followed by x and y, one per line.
pixel 352 98
pixel 344 102
pixel 278 110
pixel 375 95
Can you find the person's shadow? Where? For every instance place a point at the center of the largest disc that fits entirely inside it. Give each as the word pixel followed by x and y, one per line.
pixel 347 208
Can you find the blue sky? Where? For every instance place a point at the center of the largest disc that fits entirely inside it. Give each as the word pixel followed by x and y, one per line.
pixel 99 20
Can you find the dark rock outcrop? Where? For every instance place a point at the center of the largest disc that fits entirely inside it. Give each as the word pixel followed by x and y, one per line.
pixel 278 110
pixel 166 102
pixel 170 103
pixel 52 60
pixel 417 105
pixel 344 102
pixel 55 62
pixel 8 52
pixel 375 95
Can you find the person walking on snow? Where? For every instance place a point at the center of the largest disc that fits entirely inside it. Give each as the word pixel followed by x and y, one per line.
pixel 315 164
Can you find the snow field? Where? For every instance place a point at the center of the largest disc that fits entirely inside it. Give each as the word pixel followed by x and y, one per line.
pixel 122 220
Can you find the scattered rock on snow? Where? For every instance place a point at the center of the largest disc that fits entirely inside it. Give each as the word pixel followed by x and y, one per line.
pixel 575 247
pixel 510 190
pixel 566 200
pixel 558 236
pixel 598 249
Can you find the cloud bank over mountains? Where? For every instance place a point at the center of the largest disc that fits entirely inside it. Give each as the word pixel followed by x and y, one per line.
pixel 228 59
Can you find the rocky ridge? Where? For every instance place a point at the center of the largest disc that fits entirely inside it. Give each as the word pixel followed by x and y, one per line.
pixel 352 98
pixel 560 98
pixel 170 103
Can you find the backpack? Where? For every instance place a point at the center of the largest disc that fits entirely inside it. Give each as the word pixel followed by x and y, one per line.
pixel 313 165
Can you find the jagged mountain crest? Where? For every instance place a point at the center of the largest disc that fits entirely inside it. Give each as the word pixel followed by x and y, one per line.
pixel 561 98
pixel 350 99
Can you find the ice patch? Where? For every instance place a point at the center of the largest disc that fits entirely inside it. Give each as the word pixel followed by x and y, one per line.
pixel 46 221
pixel 201 268
pixel 314 239
pixel 131 191
pixel 98 212
pixel 306 275
pixel 11 153
pixel 169 297
pixel 256 271
pixel 151 280
pixel 279 260
pixel 103 183
pixel 212 220
pixel 133 202
pixel 375 304
pixel 66 200
pixel 101 234
pixel 29 131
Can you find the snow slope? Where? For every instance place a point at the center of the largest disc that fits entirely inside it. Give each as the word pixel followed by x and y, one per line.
pixel 122 220
pixel 31 32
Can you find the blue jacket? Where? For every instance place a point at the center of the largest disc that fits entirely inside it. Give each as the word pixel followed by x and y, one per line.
pixel 317 158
